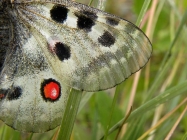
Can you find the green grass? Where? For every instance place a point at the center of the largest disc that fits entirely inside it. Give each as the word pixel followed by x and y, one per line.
pixel 148 104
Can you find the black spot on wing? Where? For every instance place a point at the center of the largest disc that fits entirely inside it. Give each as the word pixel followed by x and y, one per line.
pixel 90 14
pixel 84 22
pixel 112 21
pixel 106 39
pixel 14 93
pixel 59 13
pixel 62 51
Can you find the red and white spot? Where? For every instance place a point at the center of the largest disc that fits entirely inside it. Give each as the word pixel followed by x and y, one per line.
pixel 50 90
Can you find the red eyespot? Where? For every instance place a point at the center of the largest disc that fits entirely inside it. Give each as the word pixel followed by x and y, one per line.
pixel 51 90
pixel 2 95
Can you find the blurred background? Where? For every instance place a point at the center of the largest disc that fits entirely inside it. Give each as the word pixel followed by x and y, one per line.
pixel 155 97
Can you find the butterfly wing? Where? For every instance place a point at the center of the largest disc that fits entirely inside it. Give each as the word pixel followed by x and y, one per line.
pixel 88 49
pixel 32 98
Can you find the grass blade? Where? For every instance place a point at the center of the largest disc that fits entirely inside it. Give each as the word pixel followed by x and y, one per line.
pixel 70 115
pixel 165 96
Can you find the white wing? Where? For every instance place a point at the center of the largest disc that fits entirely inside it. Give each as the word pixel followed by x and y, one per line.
pixel 93 51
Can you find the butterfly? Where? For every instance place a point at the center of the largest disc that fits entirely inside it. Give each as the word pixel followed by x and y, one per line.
pixel 50 46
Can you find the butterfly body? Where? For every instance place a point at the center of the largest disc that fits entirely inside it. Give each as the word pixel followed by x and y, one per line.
pixel 48 47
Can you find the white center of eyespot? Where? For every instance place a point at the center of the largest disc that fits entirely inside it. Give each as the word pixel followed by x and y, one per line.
pixel 54 92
